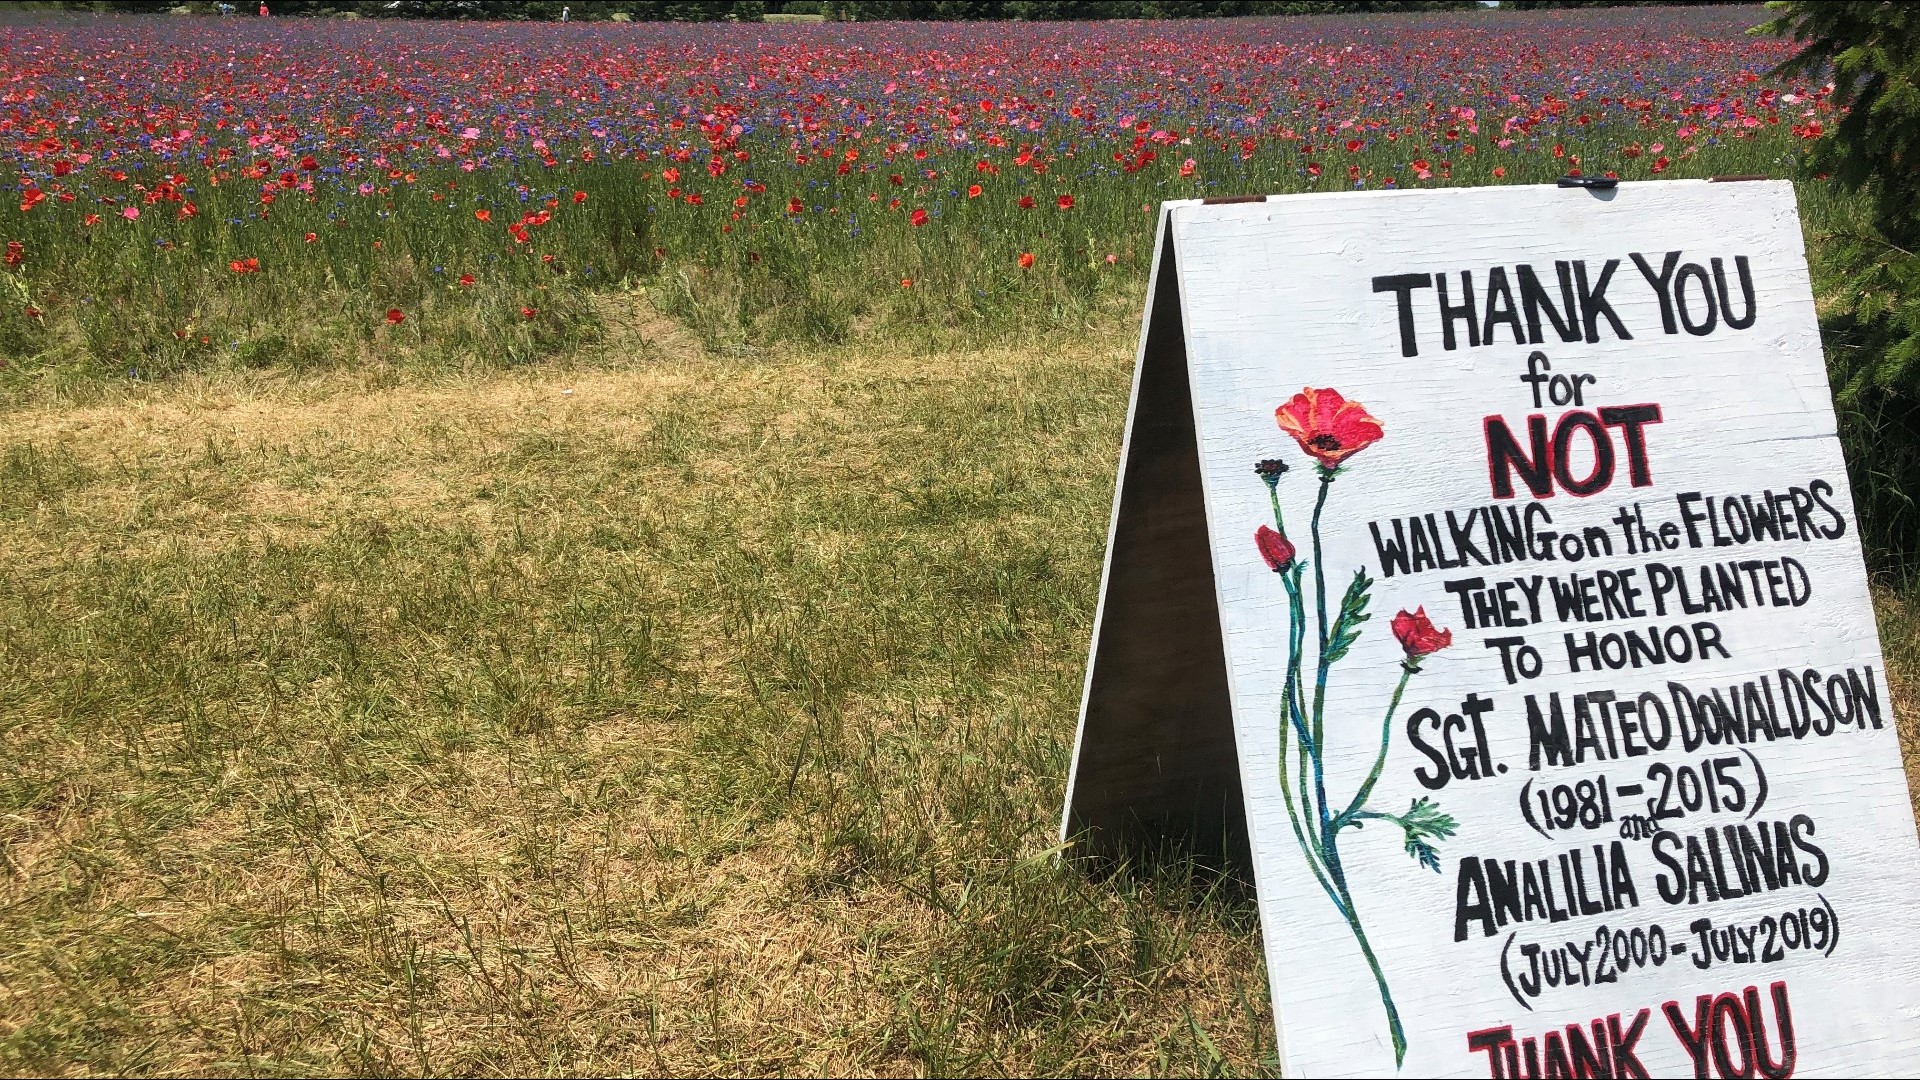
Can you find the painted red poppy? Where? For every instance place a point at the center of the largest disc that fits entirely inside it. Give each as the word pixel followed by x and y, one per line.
pixel 1417 634
pixel 1327 426
pixel 1276 549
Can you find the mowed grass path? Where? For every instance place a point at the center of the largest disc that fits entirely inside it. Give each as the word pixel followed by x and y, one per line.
pixel 651 712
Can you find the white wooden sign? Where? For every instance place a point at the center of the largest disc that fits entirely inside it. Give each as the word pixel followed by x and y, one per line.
pixel 1494 551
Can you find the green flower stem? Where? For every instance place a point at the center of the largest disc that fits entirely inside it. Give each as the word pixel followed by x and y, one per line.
pixel 1327 828
pixel 1320 596
pixel 1352 812
pixel 1321 845
pixel 1310 840
pixel 1300 835
pixel 1386 995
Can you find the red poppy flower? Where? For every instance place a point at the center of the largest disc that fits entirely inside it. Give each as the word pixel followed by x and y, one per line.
pixel 1064 202
pixel 906 283
pixel 528 313
pixel 244 266
pixel 1276 549
pixel 1026 260
pixel 466 279
pixel 794 206
pixel 671 176
pixel 311 237
pixel 1327 426
pixel 31 198
pixel 1026 202
pixel 896 179
pixel 16 251
pixel 579 197
pixel 395 316
pixel 919 218
pixel 1354 145
pixel 483 215
pixel 973 191
pixel 1417 634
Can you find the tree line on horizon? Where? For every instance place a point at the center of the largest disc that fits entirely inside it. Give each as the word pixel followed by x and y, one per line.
pixel 836 10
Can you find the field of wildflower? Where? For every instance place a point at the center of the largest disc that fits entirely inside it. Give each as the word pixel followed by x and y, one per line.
pixel 201 192
pixel 570 549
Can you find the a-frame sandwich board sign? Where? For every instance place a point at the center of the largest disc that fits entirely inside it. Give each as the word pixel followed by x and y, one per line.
pixel 1492 550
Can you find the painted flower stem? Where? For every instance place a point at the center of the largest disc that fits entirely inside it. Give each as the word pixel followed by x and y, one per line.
pixel 1394 1028
pixel 1322 850
pixel 1320 596
pixel 1352 812
pixel 1330 429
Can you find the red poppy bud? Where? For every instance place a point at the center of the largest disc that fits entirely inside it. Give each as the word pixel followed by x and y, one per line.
pixel 1275 548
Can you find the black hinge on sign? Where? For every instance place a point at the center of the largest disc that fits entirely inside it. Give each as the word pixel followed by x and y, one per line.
pixel 1224 199
pixel 1592 183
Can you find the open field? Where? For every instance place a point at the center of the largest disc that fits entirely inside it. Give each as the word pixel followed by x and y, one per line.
pixel 489 586
pixel 662 713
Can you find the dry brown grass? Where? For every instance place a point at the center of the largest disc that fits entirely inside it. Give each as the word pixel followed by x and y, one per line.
pixel 678 714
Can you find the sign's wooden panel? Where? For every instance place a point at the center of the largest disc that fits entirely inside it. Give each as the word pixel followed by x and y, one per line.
pixel 1495 549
